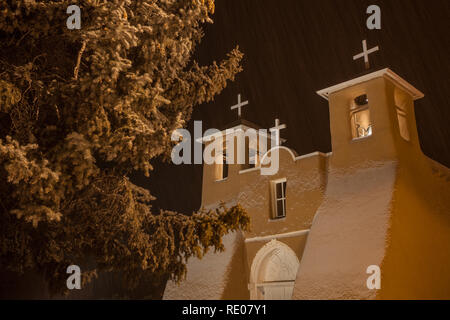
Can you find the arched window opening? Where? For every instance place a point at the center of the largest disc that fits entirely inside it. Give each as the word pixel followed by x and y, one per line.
pixel 360 117
pixel 222 166
pixel 273 272
pixel 401 102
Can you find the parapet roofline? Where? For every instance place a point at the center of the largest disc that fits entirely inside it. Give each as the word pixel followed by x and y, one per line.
pixel 238 128
pixel 386 73
pixel 242 122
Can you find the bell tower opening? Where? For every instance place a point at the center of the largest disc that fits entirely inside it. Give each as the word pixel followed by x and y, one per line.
pixel 222 165
pixel 401 103
pixel 360 117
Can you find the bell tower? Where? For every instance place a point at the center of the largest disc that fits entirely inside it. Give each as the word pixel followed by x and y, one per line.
pixel 371 118
pixel 373 135
pixel 233 149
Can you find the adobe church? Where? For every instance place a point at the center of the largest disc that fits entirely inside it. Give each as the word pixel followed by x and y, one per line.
pixel 324 219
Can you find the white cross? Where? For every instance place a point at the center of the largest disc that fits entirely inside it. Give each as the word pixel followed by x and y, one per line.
pixel 366 53
pixel 239 105
pixel 277 130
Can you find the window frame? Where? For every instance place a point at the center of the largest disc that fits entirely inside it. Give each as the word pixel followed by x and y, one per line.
pixel 275 199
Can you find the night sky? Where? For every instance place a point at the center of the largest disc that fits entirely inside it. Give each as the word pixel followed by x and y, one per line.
pixel 294 48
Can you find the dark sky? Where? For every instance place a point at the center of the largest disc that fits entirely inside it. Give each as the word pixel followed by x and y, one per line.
pixel 294 48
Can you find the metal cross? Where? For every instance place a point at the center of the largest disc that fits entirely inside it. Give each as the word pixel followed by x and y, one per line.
pixel 366 53
pixel 277 130
pixel 239 106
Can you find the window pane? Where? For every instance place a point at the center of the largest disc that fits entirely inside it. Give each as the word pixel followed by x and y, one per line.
pixel 279 191
pixel 225 171
pixel 280 208
pixel 284 189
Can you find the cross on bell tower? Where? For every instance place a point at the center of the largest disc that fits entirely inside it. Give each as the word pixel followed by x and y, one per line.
pixel 366 53
pixel 278 127
pixel 239 106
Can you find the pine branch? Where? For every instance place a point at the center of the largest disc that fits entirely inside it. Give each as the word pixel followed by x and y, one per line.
pixel 80 54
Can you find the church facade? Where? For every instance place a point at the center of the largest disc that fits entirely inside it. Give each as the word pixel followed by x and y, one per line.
pixel 321 222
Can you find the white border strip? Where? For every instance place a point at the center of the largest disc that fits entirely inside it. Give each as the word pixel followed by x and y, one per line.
pixel 278 236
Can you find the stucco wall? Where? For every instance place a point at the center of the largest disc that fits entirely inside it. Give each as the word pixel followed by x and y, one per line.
pixel 348 235
pixel 306 179
pixel 417 261
pixel 375 201
pixel 350 230
pixel 208 278
pixel 229 280
pixel 386 204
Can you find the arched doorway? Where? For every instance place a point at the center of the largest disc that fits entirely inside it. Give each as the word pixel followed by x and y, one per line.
pixel 273 272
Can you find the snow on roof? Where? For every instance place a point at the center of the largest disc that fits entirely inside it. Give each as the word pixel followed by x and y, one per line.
pixel 386 73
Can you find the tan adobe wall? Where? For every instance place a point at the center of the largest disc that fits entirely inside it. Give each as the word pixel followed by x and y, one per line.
pixel 383 206
pixel 350 230
pixel 416 265
pixel 306 180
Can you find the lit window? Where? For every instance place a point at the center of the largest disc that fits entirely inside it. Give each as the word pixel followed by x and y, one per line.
pixel 360 118
pixel 279 198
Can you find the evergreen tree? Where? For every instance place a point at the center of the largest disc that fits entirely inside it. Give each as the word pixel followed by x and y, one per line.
pixel 79 111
